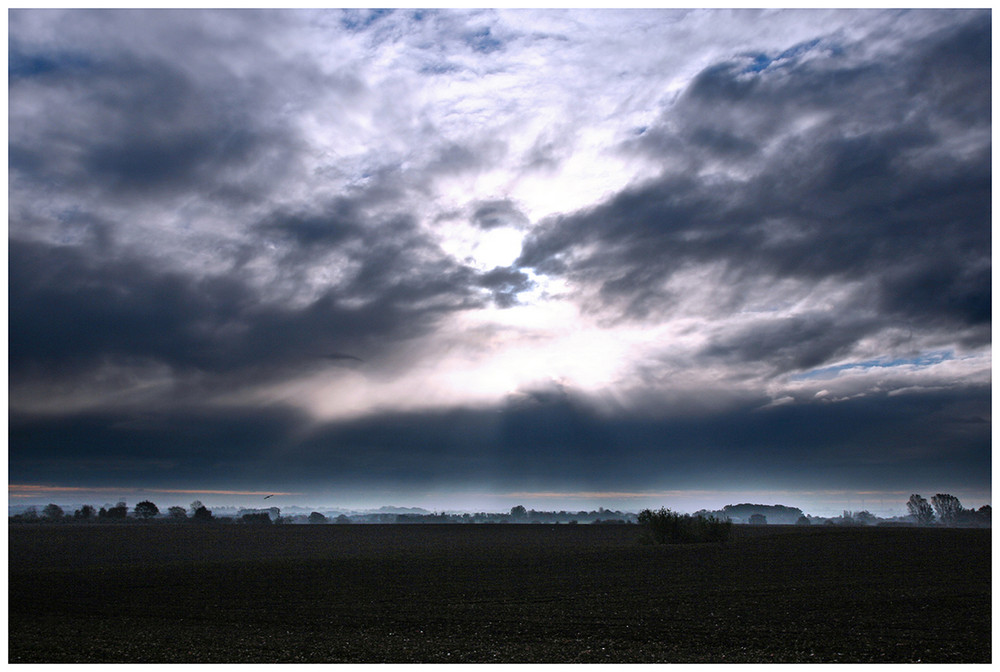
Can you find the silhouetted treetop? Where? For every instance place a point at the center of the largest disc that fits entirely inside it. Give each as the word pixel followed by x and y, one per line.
pixel 920 509
pixel 146 509
pixel 53 512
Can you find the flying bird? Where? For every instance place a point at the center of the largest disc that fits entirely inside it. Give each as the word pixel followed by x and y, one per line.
pixel 269 497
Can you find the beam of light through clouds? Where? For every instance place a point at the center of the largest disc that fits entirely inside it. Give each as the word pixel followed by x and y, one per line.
pixel 500 251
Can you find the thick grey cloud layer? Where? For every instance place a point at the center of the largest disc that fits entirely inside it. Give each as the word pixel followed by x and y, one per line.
pixel 754 239
pixel 542 442
pixel 95 310
pixel 811 165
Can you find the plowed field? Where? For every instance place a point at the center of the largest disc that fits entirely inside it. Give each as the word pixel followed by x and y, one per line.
pixel 177 593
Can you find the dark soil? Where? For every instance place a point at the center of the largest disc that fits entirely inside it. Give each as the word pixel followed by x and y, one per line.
pixel 177 593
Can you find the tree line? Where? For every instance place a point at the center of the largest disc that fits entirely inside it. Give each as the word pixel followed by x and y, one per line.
pixel 947 510
pixel 942 509
pixel 147 510
pixel 143 510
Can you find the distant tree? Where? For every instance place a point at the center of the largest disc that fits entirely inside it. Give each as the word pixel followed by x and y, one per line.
pixel 758 519
pixel 53 512
pixel 518 512
pixel 117 511
pixel 342 520
pixel 201 513
pixel 316 518
pixel 865 518
pixel 947 508
pixel 146 509
pixel 177 512
pixel 920 509
pixel 968 517
pixel 980 517
pixel 85 512
pixel 803 521
pixel 195 505
pixel 29 514
pixel 260 518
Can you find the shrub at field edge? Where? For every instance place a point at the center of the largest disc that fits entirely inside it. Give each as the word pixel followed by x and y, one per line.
pixel 667 527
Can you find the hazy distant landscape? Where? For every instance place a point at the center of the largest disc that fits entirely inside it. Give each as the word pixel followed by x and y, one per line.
pixel 942 509
pixel 495 593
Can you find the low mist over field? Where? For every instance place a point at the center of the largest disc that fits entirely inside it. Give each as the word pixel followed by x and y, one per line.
pixel 467 260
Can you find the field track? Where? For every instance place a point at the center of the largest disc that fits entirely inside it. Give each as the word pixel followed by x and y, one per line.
pixel 177 593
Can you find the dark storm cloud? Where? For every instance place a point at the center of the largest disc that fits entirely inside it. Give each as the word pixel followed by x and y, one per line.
pixel 506 284
pixel 74 307
pixel 343 220
pixel 800 342
pixel 143 126
pixel 941 437
pixel 154 447
pixel 73 310
pixel 494 214
pixel 177 115
pixel 69 309
pixel 890 187
pixel 22 65
pixel 211 209
pixel 952 71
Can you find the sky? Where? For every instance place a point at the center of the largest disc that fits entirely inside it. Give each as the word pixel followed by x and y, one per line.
pixel 470 259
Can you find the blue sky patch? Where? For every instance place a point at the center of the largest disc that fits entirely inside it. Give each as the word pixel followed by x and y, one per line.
pixel 359 19
pixel 921 361
pixel 483 42
pixel 762 61
pixel 21 65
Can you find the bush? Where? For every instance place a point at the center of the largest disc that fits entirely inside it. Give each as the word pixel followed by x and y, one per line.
pixel 667 527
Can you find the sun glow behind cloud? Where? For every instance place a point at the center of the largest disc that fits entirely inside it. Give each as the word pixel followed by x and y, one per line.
pixel 489 355
pixel 486 250
pixel 649 234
